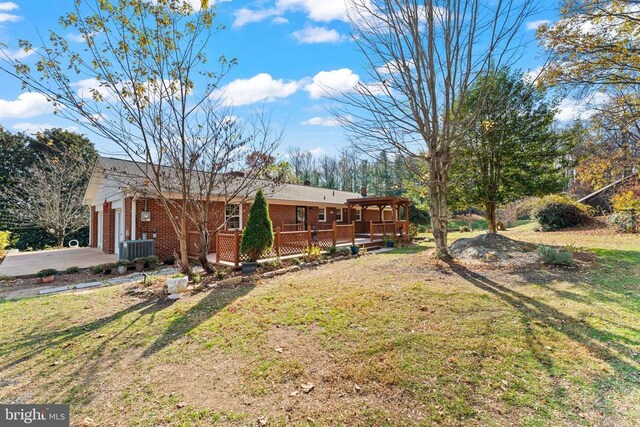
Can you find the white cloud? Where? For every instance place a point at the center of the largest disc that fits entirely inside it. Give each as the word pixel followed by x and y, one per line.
pixel 79 38
pixel 280 20
pixel 532 75
pixel 17 54
pixel 28 127
pixel 8 6
pixel 332 83
pixel 9 17
pixel 573 109
pixel 323 11
pixel 84 88
pixel 316 10
pixel 260 88
pixel 246 16
pixel 393 67
pixel 318 151
pixel 27 104
pixel 533 25
pixel 310 35
pixel 321 121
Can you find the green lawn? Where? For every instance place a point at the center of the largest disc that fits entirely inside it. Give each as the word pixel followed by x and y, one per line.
pixel 392 339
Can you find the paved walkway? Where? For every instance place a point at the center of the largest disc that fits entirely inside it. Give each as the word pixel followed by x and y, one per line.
pixel 18 264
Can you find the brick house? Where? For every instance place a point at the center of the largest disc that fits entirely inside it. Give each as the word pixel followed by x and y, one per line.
pixel 119 213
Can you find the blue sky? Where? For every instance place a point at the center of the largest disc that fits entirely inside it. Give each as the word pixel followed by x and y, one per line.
pixel 285 48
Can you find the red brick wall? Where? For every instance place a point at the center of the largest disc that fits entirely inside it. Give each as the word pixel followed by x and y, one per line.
pixel 282 214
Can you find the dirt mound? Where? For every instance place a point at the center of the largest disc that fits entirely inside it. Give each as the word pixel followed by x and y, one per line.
pixel 494 248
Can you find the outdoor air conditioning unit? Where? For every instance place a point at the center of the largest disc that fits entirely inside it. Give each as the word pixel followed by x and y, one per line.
pixel 145 216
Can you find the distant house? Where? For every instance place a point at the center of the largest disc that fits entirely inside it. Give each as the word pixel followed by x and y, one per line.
pixel 120 211
pixel 600 199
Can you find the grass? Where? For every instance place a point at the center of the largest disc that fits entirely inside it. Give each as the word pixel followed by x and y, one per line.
pixel 393 339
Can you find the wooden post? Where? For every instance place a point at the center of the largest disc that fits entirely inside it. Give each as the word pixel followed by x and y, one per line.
pixel 236 256
pixel 217 236
pixel 370 230
pixel 348 213
pixel 309 243
pixel 353 233
pixel 334 233
pixel 278 241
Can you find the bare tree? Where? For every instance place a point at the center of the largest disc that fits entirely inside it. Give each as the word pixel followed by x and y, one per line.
pixel 50 196
pixel 143 81
pixel 422 57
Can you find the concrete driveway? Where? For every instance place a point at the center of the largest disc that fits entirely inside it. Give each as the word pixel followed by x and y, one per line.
pixel 17 264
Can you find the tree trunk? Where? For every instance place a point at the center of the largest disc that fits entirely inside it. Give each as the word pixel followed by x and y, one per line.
pixel 439 212
pixel 203 251
pixel 492 224
pixel 60 238
pixel 184 255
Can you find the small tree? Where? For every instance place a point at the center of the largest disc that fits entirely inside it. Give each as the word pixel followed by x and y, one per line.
pixel 258 235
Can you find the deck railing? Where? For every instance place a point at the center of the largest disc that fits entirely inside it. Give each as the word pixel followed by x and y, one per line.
pixel 285 243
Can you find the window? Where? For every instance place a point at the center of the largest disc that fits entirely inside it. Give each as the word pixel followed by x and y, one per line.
pixel 232 216
pixel 339 215
pixel 358 214
pixel 322 214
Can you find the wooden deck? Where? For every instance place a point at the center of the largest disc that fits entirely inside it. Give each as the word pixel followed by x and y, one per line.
pixel 361 241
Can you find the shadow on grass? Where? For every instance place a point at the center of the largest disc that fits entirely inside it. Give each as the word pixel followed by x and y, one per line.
pixel 412 249
pixel 34 344
pixel 600 344
pixel 197 314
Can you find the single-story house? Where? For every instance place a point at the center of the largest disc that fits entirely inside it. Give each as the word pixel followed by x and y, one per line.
pixel 122 210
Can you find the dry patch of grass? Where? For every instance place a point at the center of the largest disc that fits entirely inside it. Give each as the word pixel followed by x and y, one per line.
pixel 393 339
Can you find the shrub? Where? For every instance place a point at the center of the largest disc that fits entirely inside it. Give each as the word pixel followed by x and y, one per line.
pixel 464 229
pixel 106 268
pixel 47 272
pixel 624 222
pixel 344 251
pixel 170 260
pixel 139 260
pixel 123 263
pixel 332 251
pixel 5 239
pixel 553 256
pixel 295 261
pixel 625 200
pixel 273 264
pixel 153 259
pixel 97 269
pixel 72 270
pixel 257 237
pixel 313 253
pixel 558 211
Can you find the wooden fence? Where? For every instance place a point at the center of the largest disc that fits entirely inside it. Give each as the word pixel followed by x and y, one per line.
pixel 285 243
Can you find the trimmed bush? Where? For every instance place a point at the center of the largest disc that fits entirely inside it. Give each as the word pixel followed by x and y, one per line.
pixel 624 222
pixel 332 251
pixel 5 239
pixel 257 237
pixel 557 211
pixel 97 269
pixel 47 272
pixel 72 270
pixel 553 256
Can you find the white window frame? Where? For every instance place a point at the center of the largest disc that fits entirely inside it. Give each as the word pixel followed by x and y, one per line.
pixel 338 214
pixel 324 214
pixel 358 214
pixel 228 216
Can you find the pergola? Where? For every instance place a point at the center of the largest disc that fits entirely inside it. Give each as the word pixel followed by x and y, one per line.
pixel 395 202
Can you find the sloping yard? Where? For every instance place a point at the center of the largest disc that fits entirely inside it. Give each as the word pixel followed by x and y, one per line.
pixel 392 339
